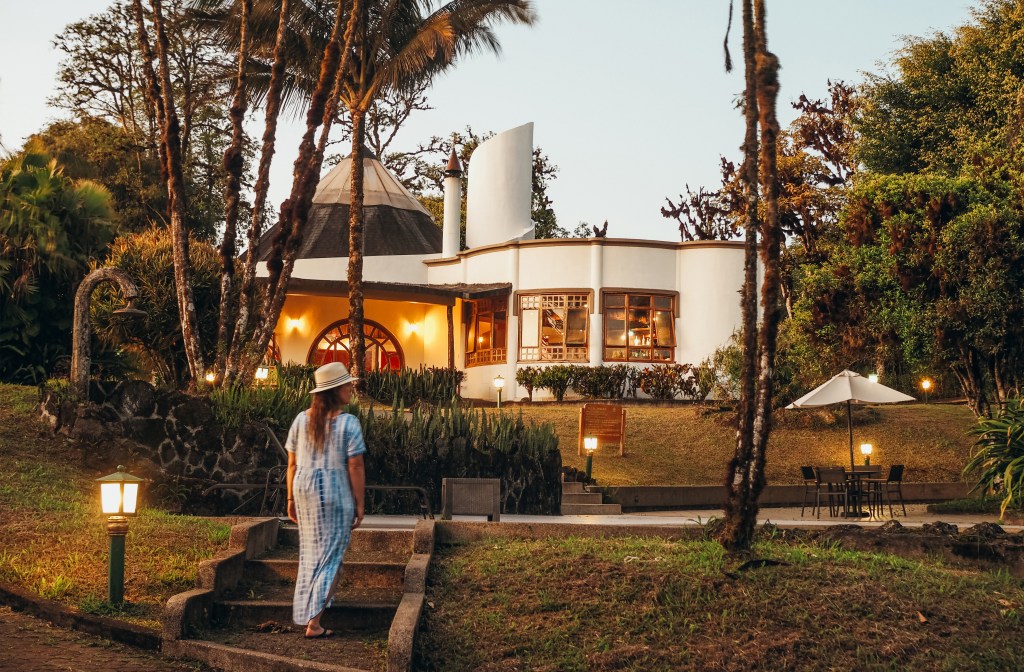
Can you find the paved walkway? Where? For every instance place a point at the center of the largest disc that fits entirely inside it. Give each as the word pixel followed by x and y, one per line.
pixel 917 515
pixel 29 644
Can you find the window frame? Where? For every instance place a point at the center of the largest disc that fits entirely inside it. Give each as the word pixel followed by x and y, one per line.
pixel 627 305
pixel 472 315
pixel 373 332
pixel 554 299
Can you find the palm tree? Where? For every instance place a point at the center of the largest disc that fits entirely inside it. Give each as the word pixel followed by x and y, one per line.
pixel 398 43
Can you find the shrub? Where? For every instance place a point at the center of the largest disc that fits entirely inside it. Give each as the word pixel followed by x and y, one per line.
pixel 665 381
pixel 527 377
pixel 557 379
pixel 997 460
pixel 602 382
pixel 275 405
pixel 424 446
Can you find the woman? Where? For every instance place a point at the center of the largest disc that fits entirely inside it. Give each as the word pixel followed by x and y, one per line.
pixel 325 492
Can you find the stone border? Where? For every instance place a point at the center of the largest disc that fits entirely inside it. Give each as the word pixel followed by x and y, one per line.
pixel 67 617
pixel 402 635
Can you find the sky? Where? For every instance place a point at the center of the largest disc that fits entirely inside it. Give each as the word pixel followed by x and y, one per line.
pixel 630 104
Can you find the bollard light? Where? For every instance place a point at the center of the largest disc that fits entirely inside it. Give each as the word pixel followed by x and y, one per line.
pixel 210 377
pixel 872 377
pixel 926 385
pixel 865 450
pixel 262 373
pixel 499 384
pixel 590 445
pixel 119 498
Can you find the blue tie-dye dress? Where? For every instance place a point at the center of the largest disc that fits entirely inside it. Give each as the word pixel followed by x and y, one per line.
pixel 324 506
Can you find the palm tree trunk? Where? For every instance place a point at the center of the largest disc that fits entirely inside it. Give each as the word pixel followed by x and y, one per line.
pixel 233 163
pixel 737 481
pixel 154 103
pixel 295 210
pixel 356 342
pixel 247 293
pixel 176 194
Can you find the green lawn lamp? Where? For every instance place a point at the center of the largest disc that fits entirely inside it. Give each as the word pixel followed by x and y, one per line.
pixel 865 450
pixel 119 495
pixel 590 445
pixel 499 385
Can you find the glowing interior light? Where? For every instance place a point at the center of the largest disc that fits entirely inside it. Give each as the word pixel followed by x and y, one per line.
pixel 131 497
pixel 110 493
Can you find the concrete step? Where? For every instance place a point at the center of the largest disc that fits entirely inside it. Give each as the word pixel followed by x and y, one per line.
pixel 572 488
pixel 374 573
pixel 591 509
pixel 581 498
pixel 363 540
pixel 354 609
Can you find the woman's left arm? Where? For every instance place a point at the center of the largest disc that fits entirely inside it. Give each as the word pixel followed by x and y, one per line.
pixel 357 479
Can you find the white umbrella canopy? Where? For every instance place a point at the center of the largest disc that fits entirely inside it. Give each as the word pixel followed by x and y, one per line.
pixel 850 388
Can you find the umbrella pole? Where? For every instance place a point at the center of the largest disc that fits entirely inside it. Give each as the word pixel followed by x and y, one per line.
pixel 849 423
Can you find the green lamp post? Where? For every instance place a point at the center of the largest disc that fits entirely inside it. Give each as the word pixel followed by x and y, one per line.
pixel 119 494
pixel 590 445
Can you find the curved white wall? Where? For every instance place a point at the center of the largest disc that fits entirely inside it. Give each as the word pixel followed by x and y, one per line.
pixel 500 185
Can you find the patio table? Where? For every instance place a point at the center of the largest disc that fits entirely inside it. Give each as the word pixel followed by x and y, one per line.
pixel 855 488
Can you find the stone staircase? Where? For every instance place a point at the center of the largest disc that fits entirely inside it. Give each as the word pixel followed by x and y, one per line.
pixel 577 501
pixel 250 627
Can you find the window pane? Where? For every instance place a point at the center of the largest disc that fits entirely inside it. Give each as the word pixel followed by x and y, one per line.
pixel 615 300
pixel 639 326
pixel 553 328
pixel 662 355
pixel 615 328
pixel 639 354
pixel 663 302
pixel 483 333
pixel 615 354
pixel 663 328
pixel 576 333
pixel 640 300
pixel 500 330
pixel 530 328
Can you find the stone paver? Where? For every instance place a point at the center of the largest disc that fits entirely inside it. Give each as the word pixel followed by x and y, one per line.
pixel 29 644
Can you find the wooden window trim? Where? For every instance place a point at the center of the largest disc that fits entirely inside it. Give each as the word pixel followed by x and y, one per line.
pixel 494 354
pixel 674 296
pixel 571 353
pixel 536 292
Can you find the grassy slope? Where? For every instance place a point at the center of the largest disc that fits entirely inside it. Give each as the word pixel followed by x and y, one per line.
pixel 648 604
pixel 677 446
pixel 54 537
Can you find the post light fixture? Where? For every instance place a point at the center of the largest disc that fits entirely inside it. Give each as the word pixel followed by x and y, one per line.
pixel 119 499
pixel 926 385
pixel 865 450
pixel 210 377
pixel 590 445
pixel 499 385
pixel 873 377
pixel 262 373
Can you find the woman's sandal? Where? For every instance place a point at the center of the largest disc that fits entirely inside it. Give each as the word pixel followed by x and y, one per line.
pixel 323 634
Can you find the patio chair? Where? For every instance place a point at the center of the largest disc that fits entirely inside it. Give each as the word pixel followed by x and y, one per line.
pixel 810 488
pixel 882 489
pixel 831 483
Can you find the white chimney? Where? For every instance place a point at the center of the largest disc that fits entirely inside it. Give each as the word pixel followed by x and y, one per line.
pixel 451 232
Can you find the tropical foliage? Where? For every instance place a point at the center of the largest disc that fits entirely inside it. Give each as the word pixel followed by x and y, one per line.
pixel 51 227
pixel 997 461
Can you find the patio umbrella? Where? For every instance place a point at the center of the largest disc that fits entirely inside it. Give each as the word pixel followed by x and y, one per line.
pixel 851 388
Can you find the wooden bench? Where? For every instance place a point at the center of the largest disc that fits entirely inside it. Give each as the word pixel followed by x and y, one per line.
pixel 471 497
pixel 605 421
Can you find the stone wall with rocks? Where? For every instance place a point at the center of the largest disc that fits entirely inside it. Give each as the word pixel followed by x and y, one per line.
pixel 170 438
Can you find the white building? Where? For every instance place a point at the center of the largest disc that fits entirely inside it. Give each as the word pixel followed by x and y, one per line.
pixel 508 300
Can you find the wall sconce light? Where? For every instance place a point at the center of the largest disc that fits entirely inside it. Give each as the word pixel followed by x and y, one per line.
pixel 414 328
pixel 294 323
pixel 865 450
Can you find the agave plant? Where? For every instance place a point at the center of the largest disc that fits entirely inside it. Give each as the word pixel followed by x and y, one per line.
pixel 997 460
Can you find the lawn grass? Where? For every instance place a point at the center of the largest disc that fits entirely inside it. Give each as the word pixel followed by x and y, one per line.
pixel 633 604
pixel 680 445
pixel 54 536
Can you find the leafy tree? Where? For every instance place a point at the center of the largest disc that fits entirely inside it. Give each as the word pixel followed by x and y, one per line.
pixel 50 228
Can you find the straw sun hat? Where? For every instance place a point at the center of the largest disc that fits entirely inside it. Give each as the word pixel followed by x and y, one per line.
pixel 330 376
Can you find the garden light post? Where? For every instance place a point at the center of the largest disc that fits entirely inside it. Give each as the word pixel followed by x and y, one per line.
pixel 499 384
pixel 590 445
pixel 80 326
pixel 865 450
pixel 926 385
pixel 119 495
pixel 872 377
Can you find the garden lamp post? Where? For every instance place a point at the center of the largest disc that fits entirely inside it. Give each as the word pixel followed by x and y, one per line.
pixel 865 450
pixel 80 326
pixel 873 377
pixel 590 445
pixel 119 495
pixel 926 385
pixel 499 384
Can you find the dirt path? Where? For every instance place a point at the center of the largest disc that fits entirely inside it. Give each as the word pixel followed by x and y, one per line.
pixel 31 645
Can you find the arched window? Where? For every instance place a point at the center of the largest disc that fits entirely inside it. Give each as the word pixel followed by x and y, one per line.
pixel 382 349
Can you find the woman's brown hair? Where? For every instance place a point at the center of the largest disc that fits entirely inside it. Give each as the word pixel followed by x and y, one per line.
pixel 324 403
